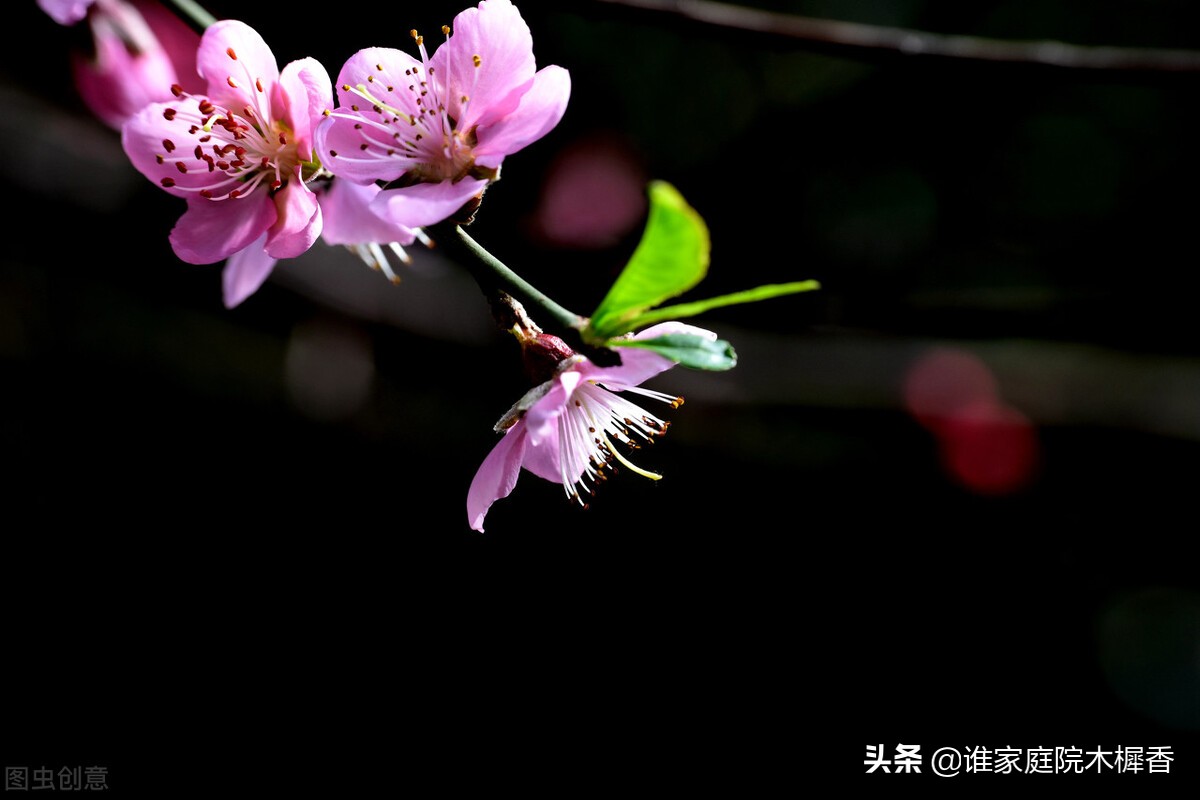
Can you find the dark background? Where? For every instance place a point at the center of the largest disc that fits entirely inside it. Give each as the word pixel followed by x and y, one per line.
pixel 235 541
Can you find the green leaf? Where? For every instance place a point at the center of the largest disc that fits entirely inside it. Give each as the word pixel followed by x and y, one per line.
pixel 682 310
pixel 671 258
pixel 687 349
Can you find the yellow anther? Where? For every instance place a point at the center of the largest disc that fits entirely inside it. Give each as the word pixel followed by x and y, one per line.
pixel 476 59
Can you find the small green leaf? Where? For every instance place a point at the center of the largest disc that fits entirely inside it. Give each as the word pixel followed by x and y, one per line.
pixel 682 310
pixel 687 349
pixel 671 258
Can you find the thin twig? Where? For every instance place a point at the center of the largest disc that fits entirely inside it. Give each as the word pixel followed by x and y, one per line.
pixel 492 274
pixel 858 38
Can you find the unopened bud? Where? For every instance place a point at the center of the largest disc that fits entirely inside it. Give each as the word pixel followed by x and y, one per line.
pixel 542 354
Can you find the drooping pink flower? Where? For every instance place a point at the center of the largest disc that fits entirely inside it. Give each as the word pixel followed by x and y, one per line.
pixel 443 124
pixel 140 51
pixel 571 427
pixel 242 157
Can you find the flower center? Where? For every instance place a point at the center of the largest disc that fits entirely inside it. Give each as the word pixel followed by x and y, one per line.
pixel 596 418
pixel 427 138
pixel 222 153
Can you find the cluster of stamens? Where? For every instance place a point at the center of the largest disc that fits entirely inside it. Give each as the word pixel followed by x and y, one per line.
pixel 239 151
pixel 592 427
pixel 374 254
pixel 428 139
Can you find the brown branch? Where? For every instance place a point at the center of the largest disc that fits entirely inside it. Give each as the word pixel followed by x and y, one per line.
pixel 853 38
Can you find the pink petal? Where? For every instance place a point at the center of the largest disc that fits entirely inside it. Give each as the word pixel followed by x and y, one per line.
pixel 382 71
pixel 638 365
pixel 545 459
pixel 539 111
pixel 303 94
pixel 497 475
pixel 349 219
pixel 542 419
pixel 65 12
pixel 497 34
pixel 142 137
pixel 254 63
pixel 666 328
pixel 245 271
pixel 298 223
pixel 177 39
pixel 364 68
pixel 426 203
pixel 212 230
pixel 115 84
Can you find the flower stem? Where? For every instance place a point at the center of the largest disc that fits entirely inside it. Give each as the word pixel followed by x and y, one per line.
pixel 495 273
pixel 194 14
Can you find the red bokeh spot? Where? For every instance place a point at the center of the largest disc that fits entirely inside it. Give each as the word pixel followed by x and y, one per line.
pixel 989 448
pixel 986 445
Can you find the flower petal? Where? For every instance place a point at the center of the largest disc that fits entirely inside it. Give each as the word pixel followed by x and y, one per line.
pixel 301 98
pixel 350 220
pixel 638 365
pixel 666 328
pixel 384 73
pixel 426 203
pixel 178 39
pixel 354 141
pixel 544 458
pixel 212 230
pixel 497 475
pixel 542 419
pixel 65 12
pixel 539 111
pixel 115 84
pixel 245 271
pixel 298 223
pixel 497 34
pixel 157 145
pixel 232 82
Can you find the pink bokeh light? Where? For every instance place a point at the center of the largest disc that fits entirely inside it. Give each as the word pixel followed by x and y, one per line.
pixel 984 444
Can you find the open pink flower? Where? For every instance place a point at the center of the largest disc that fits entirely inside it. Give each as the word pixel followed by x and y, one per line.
pixel 242 156
pixel 443 124
pixel 568 429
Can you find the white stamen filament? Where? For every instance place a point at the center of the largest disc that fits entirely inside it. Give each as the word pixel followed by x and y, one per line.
pixel 261 102
pixel 374 257
pixel 594 417
pixel 362 92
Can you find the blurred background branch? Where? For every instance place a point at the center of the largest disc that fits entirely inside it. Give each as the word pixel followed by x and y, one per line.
pixel 853 38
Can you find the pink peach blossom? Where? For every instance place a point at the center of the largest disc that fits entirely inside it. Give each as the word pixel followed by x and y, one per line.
pixel 242 156
pixel 569 429
pixel 442 125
